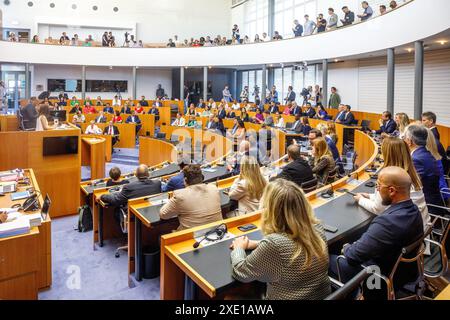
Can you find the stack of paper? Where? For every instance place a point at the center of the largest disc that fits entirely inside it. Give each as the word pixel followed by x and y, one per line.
pixel 14 228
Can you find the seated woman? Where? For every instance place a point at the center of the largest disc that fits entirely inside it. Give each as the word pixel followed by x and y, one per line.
pixel 287 109
pixel 192 122
pixel 206 112
pixel 247 189
pixel 191 110
pixel 331 132
pixel 99 102
pixel 396 154
pixel 323 162
pixel 322 113
pixel 219 127
pixel 306 128
pixel 259 117
pixel 42 120
pixel 244 115
pixel 139 109
pixel 212 104
pixel 402 121
pixel 292 258
pixel 237 134
pixel 279 121
pixel 115 175
pixel 89 109
pixel 79 118
pixel 117 118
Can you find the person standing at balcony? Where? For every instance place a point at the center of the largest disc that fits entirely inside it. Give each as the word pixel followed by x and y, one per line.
pixel 235 32
pixel 321 23
pixel 274 95
pixel 298 29
pixel 290 95
pixel 368 12
pixel 332 19
pixel 265 37
pixel 349 16
pixel 383 9
pixel 105 39
pixel 277 36
pixel 3 101
pixel 227 94
pixel 335 99
pixel 309 27
pixel 393 5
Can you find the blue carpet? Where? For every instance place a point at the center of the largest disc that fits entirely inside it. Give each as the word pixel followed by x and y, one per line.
pixel 102 276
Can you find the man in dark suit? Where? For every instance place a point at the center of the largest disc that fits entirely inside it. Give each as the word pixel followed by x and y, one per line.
pixel 349 118
pixel 429 120
pixel 159 92
pixel 222 113
pixel 291 95
pixel 112 130
pixel 157 103
pixel 141 188
pixel 273 108
pixel 398 227
pixel 426 165
pixel 101 118
pixel 310 112
pixel 108 109
pixel 297 126
pixel 125 110
pixel 341 114
pixel 154 110
pixel 201 104
pixel 211 125
pixel 143 102
pixel 298 170
pixel 387 124
pixel 176 182
pixel 134 119
pixel 29 114
pixel 296 110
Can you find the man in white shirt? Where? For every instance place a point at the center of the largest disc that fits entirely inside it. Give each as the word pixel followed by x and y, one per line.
pixel 117 102
pixel 93 129
pixel 332 19
pixel 309 26
pixel 236 105
pixel 179 121
pixel 265 37
pixel 244 94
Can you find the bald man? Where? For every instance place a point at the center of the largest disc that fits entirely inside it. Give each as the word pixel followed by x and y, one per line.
pixel 141 188
pixel 244 150
pixel 398 227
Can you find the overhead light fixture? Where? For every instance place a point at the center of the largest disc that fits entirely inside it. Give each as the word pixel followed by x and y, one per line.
pixel 210 67
pixel 442 42
pixel 336 60
pixel 409 50
pixel 110 67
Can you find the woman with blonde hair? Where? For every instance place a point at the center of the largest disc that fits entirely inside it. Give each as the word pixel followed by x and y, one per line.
pixel 323 160
pixel 402 121
pixel 248 188
pixel 396 154
pixel 331 132
pixel 292 258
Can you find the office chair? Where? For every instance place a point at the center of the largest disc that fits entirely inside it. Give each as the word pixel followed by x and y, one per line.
pixel 310 186
pixel 346 291
pixel 21 122
pixel 365 124
pixel 123 216
pixel 355 122
pixel 414 254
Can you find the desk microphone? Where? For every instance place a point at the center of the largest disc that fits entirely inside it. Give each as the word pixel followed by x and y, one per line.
pixel 329 193
pixel 220 231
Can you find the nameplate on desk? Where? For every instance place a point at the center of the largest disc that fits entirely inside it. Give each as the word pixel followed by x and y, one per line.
pixel 354 182
pixel 210 170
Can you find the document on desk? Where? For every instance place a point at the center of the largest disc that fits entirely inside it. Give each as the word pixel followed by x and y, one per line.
pixel 210 170
pixel 14 228
pixel 210 241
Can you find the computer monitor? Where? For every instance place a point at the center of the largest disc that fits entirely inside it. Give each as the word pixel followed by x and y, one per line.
pixel 45 208
pixel 61 115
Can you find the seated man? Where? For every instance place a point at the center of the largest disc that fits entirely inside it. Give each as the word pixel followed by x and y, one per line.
pixel 297 126
pixel 141 188
pixel 211 125
pixel 108 109
pixel 79 117
pixel 198 204
pixel 348 118
pixel 157 103
pixel 135 119
pixel 154 110
pixel 115 175
pixel 268 119
pixel 179 121
pixel 296 110
pixel 310 112
pixel 112 130
pixel 387 124
pixel 76 108
pixel 125 109
pixel 99 102
pixel 101 118
pixel 93 129
pixel 176 182
pixel 398 227
pixel 273 108
pixel 143 102
pixel 341 114
pixel 298 170
pixel 244 150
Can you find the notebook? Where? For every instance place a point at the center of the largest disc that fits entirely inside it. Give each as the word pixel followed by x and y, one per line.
pixel 19 195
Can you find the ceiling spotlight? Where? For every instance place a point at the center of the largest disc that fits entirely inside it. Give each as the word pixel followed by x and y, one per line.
pixel 442 42
pixel 336 60
pixel 409 50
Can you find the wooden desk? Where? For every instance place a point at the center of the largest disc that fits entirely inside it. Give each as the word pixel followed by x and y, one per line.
pixel 26 264
pixel 108 142
pixel 127 133
pixel 445 294
pixel 93 155
pixel 174 267
pixel 8 123
pixel 153 151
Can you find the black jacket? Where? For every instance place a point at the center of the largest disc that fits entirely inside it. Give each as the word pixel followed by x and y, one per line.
pixel 137 189
pixel 115 129
pixel 297 171
pixel 348 119
pixel 29 115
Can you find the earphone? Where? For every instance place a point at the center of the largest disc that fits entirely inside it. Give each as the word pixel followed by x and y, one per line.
pixel 220 231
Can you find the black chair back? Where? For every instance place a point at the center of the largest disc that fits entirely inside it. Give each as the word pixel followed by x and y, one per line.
pixel 310 186
pixel 349 288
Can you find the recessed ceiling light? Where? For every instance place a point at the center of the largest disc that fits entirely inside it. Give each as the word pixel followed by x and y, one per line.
pixel 336 60
pixel 210 67
pixel 110 68
pixel 442 42
pixel 409 50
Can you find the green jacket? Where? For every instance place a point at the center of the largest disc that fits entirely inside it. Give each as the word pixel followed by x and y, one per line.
pixel 335 100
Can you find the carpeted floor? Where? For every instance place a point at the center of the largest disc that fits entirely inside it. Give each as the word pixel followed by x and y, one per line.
pixel 101 275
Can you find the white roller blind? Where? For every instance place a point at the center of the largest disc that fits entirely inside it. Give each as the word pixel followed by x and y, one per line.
pixel 372 85
pixel 436 90
pixel 404 84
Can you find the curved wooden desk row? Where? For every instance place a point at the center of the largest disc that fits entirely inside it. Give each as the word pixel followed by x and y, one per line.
pixel 147 122
pixel 81 102
pixel 175 245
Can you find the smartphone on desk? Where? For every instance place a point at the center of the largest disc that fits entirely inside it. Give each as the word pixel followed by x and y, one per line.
pixel 247 227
